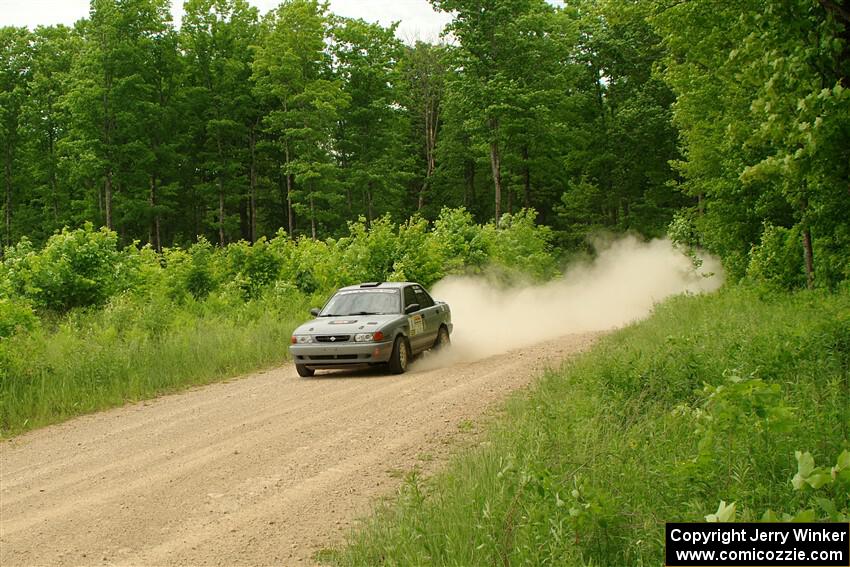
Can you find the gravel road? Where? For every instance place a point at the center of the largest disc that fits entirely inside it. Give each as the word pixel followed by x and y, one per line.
pixel 263 470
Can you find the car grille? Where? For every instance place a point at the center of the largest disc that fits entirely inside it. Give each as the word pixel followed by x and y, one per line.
pixel 333 357
pixel 332 338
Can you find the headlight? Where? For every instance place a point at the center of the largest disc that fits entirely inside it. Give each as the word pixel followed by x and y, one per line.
pixel 302 339
pixel 368 337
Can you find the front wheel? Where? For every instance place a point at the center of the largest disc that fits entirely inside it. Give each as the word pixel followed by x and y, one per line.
pixel 400 356
pixel 303 371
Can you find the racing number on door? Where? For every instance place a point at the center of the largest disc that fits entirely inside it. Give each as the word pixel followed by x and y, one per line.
pixel 417 325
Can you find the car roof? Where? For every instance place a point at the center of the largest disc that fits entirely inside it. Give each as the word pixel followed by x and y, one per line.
pixel 382 285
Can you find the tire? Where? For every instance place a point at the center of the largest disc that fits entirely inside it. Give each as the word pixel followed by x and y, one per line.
pixel 400 357
pixel 443 340
pixel 303 371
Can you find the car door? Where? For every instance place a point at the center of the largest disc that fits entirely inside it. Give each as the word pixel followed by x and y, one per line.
pixel 415 321
pixel 430 315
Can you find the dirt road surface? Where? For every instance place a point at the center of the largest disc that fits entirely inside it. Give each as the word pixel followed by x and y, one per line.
pixel 264 470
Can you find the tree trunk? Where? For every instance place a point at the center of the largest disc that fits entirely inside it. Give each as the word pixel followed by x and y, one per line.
pixel 496 166
pixel 470 181
pixel 54 190
pixel 107 197
pixel 154 237
pixel 312 218
pixel 107 139
pixel 252 208
pixel 289 218
pixel 809 257
pixel 281 189
pixel 221 211
pixel 370 213
pixel 422 190
pixel 526 175
pixel 431 119
pixel 7 176
pixel 220 179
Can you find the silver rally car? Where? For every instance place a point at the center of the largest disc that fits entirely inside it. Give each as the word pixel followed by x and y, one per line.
pixel 371 323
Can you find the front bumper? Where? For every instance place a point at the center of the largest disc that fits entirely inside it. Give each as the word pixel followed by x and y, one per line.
pixel 324 355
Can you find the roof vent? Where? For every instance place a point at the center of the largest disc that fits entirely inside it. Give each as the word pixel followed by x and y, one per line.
pixel 370 284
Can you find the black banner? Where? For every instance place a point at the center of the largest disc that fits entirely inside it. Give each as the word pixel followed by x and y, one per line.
pixel 758 544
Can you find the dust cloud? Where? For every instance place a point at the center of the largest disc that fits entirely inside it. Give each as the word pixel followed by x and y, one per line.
pixel 621 285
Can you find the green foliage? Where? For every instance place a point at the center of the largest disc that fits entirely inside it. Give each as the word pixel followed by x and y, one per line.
pixel 85 325
pixel 419 256
pixel 77 268
pixel 200 280
pixel 762 107
pixel 461 239
pixel 16 317
pixel 823 491
pixel 292 74
pixel 369 254
pixel 253 266
pixel 600 116
pixel 521 246
pixel 372 153
pixel 707 400
pixel 778 258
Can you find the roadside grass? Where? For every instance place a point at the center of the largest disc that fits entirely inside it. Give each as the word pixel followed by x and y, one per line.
pixel 587 467
pixel 136 349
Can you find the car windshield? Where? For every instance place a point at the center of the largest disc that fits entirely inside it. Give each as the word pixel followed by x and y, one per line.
pixel 362 302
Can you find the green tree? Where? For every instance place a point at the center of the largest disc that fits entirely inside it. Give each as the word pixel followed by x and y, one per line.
pixel 370 132
pixel 14 84
pixel 621 140
pixel 764 111
pixel 293 77
pixel 115 98
pixel 217 36
pixel 511 72
pixel 424 69
pixel 45 122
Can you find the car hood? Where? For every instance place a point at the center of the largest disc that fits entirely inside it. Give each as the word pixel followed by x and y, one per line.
pixel 345 325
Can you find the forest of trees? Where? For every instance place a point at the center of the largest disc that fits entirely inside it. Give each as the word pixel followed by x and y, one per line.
pixel 727 124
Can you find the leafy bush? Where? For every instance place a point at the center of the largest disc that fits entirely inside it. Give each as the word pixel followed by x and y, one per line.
pixel 181 316
pixel 253 266
pixel 192 271
pixel 15 316
pixel 461 241
pixel 418 255
pixel 369 254
pixel 520 246
pixel 76 268
pixel 778 259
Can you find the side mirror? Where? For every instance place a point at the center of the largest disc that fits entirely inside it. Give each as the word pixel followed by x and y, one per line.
pixel 314 312
pixel 412 308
